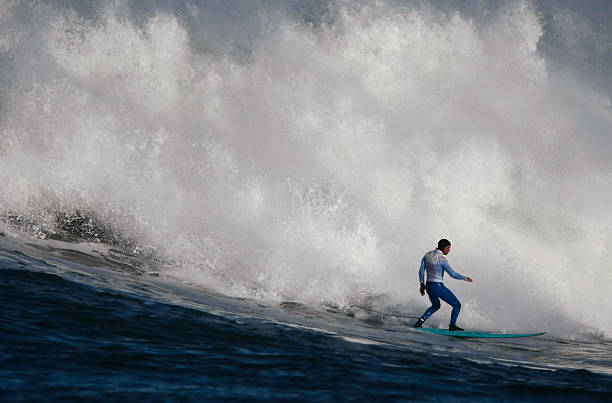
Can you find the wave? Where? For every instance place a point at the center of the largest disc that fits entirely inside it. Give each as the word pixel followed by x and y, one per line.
pixel 316 159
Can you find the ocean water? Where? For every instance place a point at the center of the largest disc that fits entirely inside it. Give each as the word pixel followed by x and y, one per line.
pixel 76 331
pixel 229 200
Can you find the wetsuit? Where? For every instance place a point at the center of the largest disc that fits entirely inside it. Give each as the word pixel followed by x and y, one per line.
pixel 435 264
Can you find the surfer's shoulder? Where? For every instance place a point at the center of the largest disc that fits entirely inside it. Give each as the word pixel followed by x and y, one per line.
pixel 434 256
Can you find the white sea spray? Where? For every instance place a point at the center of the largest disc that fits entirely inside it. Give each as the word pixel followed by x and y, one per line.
pixel 324 161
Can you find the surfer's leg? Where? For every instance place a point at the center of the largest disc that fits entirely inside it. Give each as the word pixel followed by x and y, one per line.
pixel 432 292
pixel 447 296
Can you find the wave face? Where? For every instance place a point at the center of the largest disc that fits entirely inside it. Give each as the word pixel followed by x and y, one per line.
pixel 71 330
pixel 314 152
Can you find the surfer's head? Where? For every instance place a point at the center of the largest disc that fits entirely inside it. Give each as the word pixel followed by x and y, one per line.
pixel 444 245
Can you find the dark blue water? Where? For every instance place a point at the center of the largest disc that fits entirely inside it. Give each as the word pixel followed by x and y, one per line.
pixel 71 334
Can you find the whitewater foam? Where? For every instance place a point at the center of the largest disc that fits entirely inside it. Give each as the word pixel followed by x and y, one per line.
pixel 322 163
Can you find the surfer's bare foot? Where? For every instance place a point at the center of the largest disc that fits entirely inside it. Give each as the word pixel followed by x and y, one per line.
pixel 454 328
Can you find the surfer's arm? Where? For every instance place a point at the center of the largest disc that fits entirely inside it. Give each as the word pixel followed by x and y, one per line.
pixel 451 272
pixel 422 271
pixel 422 276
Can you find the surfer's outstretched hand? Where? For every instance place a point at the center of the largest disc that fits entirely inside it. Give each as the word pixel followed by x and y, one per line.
pixel 469 280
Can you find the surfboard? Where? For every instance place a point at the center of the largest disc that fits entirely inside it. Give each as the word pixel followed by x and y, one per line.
pixel 486 335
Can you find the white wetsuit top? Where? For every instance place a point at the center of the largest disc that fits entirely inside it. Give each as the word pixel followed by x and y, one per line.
pixel 435 263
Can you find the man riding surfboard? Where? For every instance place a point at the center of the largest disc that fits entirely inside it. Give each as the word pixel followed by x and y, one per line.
pixel 435 264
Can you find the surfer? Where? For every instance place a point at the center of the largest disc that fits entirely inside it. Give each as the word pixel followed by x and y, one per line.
pixel 435 264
